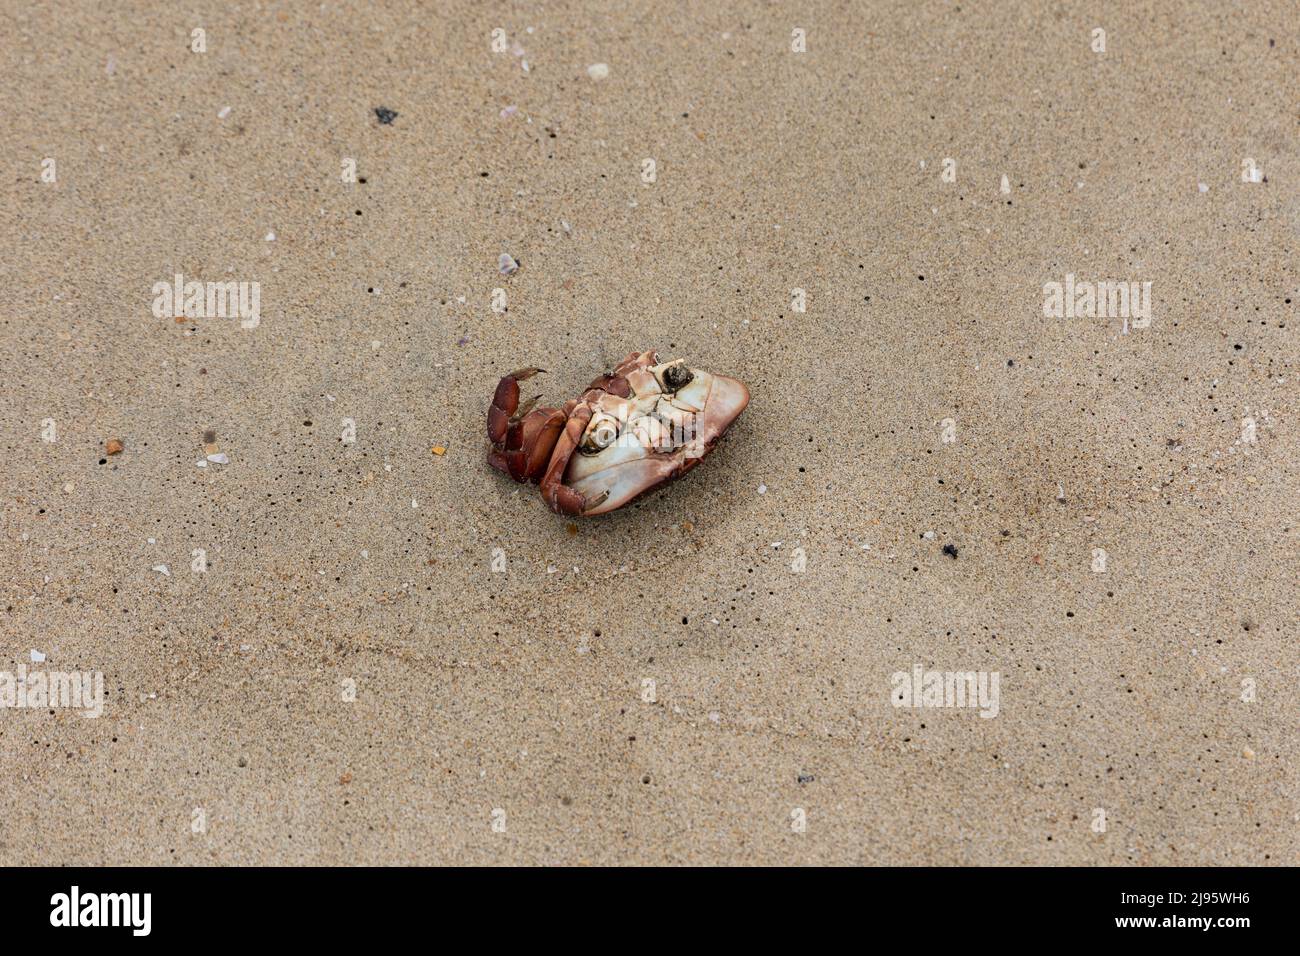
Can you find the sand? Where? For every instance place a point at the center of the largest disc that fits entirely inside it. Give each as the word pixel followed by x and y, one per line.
pixel 341 677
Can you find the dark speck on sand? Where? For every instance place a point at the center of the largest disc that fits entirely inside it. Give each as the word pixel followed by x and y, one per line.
pixel 950 550
pixel 386 116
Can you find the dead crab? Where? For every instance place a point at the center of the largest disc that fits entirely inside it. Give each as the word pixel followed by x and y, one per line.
pixel 633 429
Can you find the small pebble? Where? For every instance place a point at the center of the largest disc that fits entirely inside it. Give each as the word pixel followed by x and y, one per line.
pixel 506 264
pixel 950 550
pixel 598 71
pixel 37 657
pixel 386 116
pixel 438 450
pixel 114 446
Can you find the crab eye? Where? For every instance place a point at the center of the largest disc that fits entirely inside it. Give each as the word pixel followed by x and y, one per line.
pixel 677 376
pixel 601 435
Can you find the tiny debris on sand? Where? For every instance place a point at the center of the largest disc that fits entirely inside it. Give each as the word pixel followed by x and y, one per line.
pixel 114 446
pixel 439 450
pixel 598 71
pixel 386 116
pixel 507 265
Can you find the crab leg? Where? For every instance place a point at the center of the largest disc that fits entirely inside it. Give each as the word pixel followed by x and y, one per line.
pixel 558 496
pixel 613 384
pixel 636 361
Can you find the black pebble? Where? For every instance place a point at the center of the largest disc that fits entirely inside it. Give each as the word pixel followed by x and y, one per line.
pixel 805 778
pixel 950 550
pixel 386 116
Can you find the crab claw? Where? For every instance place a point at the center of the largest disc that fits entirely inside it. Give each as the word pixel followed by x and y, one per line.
pixel 505 403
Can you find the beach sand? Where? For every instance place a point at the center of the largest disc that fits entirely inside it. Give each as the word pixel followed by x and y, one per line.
pixel 704 676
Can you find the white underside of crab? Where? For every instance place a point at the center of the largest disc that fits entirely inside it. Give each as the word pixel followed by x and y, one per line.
pixel 637 442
